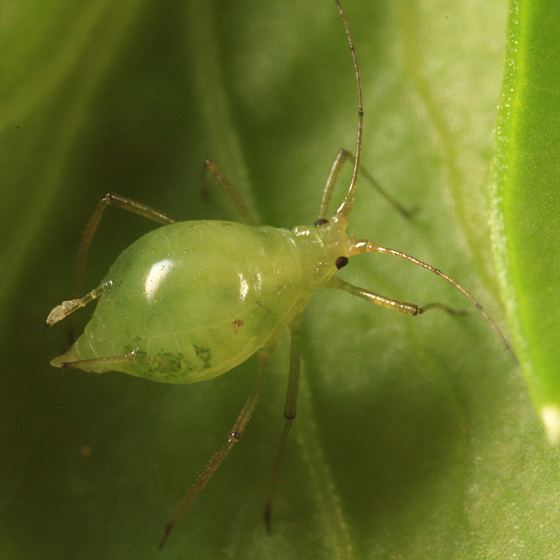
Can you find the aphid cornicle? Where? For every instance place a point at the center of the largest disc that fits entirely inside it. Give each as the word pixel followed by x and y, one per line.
pixel 192 300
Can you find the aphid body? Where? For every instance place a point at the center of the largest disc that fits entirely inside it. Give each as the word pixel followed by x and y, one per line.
pixel 191 300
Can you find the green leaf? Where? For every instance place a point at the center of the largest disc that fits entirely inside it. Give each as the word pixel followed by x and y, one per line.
pixel 415 437
pixel 526 200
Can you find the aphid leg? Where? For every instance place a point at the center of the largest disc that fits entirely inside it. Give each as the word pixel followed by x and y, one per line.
pixel 69 306
pixel 110 199
pixel 400 306
pixel 211 167
pixel 234 435
pixel 290 409
pixel 364 246
pixel 341 158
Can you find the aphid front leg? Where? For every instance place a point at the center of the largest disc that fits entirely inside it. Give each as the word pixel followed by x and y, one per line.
pixel 212 168
pixel 290 409
pixel 233 437
pixel 110 199
pixel 341 158
pixel 400 306
pixel 365 246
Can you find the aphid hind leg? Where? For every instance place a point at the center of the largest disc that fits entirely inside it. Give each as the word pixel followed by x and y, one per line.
pixel 110 199
pixel 68 307
pixel 210 167
pixel 365 246
pixel 233 437
pixel 290 409
pixel 341 158
pixel 406 308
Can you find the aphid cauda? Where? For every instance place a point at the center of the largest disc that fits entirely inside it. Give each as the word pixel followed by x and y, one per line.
pixel 192 300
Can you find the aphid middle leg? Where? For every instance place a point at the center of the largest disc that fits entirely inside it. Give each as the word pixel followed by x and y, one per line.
pixel 400 306
pixel 212 168
pixel 290 409
pixel 234 436
pixel 341 158
pixel 110 199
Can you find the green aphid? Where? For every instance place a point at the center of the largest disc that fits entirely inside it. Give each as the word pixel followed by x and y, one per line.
pixel 192 300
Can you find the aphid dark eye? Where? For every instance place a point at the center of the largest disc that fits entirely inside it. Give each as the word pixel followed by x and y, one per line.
pixel 320 222
pixel 341 262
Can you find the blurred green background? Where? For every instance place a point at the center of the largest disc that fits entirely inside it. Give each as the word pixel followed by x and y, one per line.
pixel 415 437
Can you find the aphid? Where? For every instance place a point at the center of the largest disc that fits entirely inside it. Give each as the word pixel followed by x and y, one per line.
pixel 191 300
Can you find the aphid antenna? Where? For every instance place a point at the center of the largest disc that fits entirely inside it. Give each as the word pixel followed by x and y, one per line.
pixel 347 204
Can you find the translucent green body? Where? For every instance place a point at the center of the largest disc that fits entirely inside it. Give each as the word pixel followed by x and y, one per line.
pixel 192 300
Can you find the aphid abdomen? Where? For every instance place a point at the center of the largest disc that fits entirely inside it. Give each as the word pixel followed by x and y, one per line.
pixel 194 299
